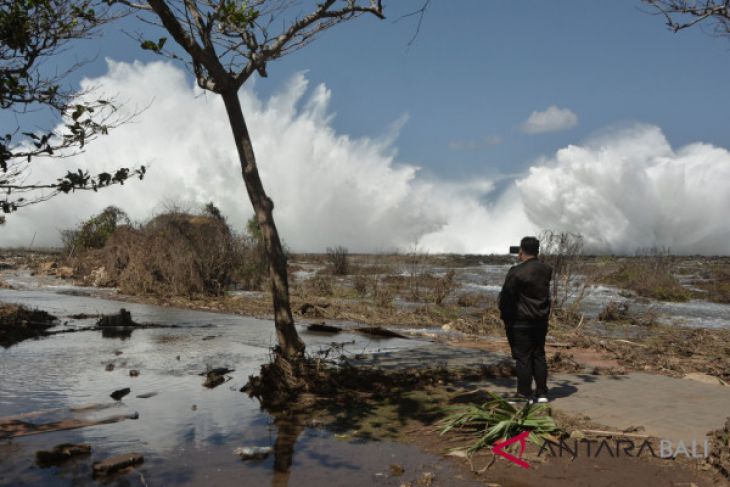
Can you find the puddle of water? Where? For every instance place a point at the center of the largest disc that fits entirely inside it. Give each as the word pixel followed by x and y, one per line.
pixel 186 432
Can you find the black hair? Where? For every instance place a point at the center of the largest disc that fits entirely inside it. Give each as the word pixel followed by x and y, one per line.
pixel 530 246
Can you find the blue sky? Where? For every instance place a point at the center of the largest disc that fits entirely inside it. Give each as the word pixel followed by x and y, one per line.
pixel 467 85
pixel 479 68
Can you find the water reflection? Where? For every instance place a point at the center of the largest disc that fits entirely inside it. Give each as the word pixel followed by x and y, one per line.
pixel 288 431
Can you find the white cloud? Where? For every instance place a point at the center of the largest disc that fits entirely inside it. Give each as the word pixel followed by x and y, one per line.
pixel 470 145
pixel 551 120
pixel 626 190
pixel 630 190
pixel 328 188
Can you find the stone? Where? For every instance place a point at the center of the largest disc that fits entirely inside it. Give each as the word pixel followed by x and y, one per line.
pixel 109 367
pixel 120 393
pixel 134 373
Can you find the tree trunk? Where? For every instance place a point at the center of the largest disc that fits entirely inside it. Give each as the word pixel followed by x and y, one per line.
pixel 290 344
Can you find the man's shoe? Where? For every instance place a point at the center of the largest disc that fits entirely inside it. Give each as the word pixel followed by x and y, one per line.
pixel 542 400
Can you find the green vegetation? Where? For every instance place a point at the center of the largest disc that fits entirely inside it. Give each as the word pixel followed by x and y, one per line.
pixel 94 232
pixel 499 419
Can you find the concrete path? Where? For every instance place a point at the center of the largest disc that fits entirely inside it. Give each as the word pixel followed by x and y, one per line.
pixel 667 407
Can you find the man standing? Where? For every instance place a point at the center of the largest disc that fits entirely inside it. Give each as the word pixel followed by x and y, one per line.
pixel 524 306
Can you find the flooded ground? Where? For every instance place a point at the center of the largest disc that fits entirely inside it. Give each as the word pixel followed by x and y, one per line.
pixel 489 279
pixel 187 433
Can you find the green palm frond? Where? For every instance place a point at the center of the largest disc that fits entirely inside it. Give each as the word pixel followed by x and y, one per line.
pixel 497 419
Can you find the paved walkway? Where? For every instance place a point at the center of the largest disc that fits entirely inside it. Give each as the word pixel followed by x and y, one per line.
pixel 667 407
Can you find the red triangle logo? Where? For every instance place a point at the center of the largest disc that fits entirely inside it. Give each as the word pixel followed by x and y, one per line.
pixel 498 446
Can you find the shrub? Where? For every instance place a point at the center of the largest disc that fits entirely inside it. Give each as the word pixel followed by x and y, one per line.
pixel 320 285
pixel 360 283
pixel 649 274
pixel 176 253
pixel 94 232
pixel 443 287
pixel 338 259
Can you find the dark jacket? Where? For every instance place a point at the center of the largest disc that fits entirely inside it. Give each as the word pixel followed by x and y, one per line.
pixel 525 295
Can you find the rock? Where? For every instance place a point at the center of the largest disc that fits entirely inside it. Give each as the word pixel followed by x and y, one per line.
pixel 705 378
pixel 146 395
pixel 60 453
pixel 109 367
pixel 447 327
pixel 123 318
pixel 114 464
pixel 134 373
pixel 120 393
pixel 253 452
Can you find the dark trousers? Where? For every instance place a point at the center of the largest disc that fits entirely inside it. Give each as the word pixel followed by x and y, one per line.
pixel 527 340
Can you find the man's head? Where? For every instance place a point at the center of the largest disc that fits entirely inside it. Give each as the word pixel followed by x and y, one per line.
pixel 529 248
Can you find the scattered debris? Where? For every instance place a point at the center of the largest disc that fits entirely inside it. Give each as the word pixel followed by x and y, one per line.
pixel 109 367
pixel 82 316
pixel 378 331
pixel 563 362
pixel 123 318
pixel 134 373
pixel 396 470
pixel 316 309
pixel 323 328
pixel 215 377
pixel 16 428
pixel 210 337
pixel 614 311
pixel 60 453
pixel 720 449
pixel 146 395
pixel 116 463
pixel 253 452
pixel 120 393
pixel 18 323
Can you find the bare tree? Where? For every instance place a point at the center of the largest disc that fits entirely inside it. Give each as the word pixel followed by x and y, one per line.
pixel 31 33
pixel 224 42
pixel 682 14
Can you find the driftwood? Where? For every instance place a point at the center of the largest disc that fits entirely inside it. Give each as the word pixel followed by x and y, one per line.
pixel 114 464
pixel 60 454
pixel 379 332
pixel 16 428
pixel 614 433
pixel 323 328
